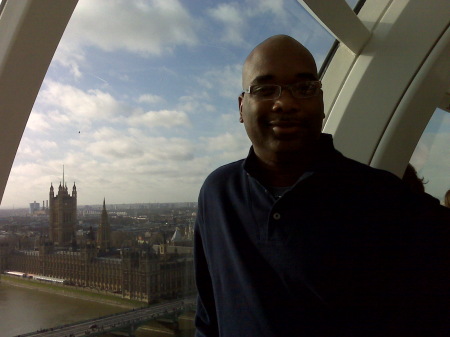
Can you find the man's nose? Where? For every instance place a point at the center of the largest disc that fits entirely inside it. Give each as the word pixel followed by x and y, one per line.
pixel 286 101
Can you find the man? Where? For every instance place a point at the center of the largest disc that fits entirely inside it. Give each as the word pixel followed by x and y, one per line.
pixel 297 240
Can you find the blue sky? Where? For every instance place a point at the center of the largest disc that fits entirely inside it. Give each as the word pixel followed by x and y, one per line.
pixel 140 101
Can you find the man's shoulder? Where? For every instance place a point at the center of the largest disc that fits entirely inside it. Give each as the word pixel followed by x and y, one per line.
pixel 356 179
pixel 224 173
pixel 336 163
pixel 355 168
pixel 378 182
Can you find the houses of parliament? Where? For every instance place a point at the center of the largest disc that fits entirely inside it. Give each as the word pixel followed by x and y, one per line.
pixel 140 272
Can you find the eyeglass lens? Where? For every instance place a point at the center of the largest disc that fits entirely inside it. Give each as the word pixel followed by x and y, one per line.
pixel 298 90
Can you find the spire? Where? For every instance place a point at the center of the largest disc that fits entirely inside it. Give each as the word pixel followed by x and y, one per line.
pixel 104 230
pixel 52 193
pixel 63 176
pixel 104 213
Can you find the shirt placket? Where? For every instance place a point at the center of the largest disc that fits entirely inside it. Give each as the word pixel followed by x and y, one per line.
pixel 268 211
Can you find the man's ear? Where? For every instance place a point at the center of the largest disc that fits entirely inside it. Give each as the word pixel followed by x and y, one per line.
pixel 240 102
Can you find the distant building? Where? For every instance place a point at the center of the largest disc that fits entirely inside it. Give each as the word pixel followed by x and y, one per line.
pixel 63 215
pixel 104 232
pixel 137 273
pixel 142 272
pixel 34 207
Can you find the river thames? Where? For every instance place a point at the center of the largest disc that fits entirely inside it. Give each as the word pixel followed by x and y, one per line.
pixel 25 310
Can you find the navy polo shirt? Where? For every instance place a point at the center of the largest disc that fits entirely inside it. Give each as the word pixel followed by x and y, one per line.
pixel 341 253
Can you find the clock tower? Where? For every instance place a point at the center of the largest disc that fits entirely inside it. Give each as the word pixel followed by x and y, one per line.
pixel 63 215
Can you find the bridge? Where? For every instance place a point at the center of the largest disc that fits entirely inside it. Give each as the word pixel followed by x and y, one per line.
pixel 126 321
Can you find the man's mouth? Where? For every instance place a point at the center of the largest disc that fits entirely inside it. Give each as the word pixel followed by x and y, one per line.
pixel 284 122
pixel 284 127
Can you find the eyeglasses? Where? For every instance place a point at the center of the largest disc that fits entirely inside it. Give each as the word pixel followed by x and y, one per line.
pixel 304 89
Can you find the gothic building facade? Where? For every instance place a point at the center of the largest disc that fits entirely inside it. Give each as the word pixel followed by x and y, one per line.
pixel 139 273
pixel 63 215
pixel 143 272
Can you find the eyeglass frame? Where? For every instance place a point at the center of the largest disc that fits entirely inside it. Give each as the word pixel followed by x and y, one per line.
pixel 281 87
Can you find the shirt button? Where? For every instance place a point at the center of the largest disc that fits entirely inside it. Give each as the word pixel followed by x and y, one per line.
pixel 276 216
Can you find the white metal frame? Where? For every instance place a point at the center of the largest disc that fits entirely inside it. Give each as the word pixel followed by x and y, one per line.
pixel 26 49
pixel 374 84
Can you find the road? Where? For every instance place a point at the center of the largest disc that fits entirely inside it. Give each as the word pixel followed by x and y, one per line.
pixel 108 323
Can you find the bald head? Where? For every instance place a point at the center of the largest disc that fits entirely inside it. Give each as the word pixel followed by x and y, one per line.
pixel 283 127
pixel 272 51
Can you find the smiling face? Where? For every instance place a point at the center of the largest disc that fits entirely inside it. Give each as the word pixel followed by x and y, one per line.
pixel 286 125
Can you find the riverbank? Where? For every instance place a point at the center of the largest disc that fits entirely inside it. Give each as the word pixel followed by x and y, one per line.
pixel 70 291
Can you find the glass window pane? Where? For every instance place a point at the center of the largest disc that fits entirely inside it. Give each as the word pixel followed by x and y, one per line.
pixel 352 3
pixel 431 157
pixel 139 104
pixel 140 100
pixel 356 4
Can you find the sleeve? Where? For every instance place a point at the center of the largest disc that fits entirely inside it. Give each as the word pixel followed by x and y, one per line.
pixel 432 247
pixel 426 278
pixel 205 317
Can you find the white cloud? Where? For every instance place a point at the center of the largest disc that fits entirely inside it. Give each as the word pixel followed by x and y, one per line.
pixel 436 168
pixel 124 166
pixel 156 169
pixel 153 27
pixel 161 118
pixel 168 151
pixel 33 149
pixel 233 20
pixel 150 99
pixel 222 142
pixel 227 147
pixel 69 56
pixel 134 148
pixel 75 105
pixel 225 81
pixel 47 145
pixel 38 122
pixel 236 18
pixel 274 8
pixel 420 155
pixel 196 103
pixel 28 151
pixel 115 148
